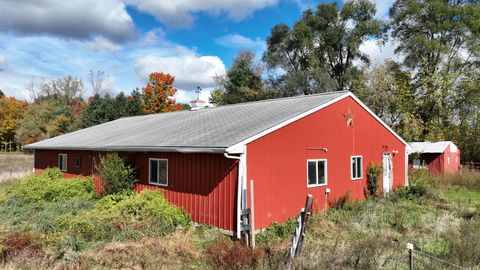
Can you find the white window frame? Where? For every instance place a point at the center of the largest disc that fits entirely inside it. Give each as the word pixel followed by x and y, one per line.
pixel 316 169
pixel 64 158
pixel 158 172
pixel 361 167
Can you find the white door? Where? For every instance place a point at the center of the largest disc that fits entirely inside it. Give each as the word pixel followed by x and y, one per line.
pixel 387 173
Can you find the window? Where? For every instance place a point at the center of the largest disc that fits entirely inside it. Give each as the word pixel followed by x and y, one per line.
pixel 77 162
pixel 316 172
pixel 356 167
pixel 62 162
pixel 158 172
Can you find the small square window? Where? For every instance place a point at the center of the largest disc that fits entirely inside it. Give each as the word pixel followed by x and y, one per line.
pixel 316 172
pixel 62 162
pixel 356 167
pixel 77 162
pixel 158 172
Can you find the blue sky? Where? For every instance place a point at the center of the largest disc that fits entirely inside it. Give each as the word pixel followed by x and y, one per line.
pixel 128 39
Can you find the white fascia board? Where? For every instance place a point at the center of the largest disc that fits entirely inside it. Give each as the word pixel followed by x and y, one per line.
pixel 239 146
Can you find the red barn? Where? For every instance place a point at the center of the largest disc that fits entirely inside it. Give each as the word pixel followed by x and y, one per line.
pixel 438 157
pixel 202 160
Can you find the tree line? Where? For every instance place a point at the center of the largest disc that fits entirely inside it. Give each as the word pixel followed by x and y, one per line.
pixel 58 107
pixel 430 92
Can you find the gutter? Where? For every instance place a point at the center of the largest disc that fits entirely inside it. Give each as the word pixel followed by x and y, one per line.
pixel 179 149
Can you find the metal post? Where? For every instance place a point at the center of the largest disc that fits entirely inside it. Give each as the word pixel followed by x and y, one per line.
pixel 252 216
pixel 410 256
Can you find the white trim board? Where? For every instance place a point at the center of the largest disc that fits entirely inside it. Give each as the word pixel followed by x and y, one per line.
pixel 238 147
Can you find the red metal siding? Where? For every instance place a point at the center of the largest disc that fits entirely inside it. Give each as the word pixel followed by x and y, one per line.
pixel 49 158
pixel 451 161
pixel 447 162
pixel 277 162
pixel 434 162
pixel 204 185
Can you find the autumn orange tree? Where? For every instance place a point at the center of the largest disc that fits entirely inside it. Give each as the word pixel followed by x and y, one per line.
pixel 157 95
pixel 11 111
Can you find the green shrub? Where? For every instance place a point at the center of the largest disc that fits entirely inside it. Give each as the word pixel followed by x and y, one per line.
pixel 373 179
pixel 47 187
pixel 52 173
pixel 278 231
pixel 116 175
pixel 125 216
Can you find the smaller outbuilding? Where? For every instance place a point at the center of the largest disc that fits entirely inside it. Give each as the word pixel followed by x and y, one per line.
pixel 438 157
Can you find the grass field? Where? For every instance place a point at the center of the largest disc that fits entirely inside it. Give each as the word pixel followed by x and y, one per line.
pixel 50 223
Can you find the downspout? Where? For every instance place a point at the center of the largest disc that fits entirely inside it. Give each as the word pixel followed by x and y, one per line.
pixel 241 166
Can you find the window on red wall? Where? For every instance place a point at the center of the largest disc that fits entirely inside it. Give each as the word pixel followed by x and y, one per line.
pixel 316 172
pixel 62 162
pixel 158 172
pixel 356 167
pixel 77 162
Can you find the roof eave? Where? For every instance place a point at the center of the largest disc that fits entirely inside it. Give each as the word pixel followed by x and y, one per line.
pixel 179 149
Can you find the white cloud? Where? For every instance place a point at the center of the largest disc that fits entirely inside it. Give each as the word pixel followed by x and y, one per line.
pixel 238 42
pixel 73 18
pixel 153 36
pixel 101 44
pixel 179 13
pixel 378 53
pixel 306 4
pixel 190 70
pixel 127 66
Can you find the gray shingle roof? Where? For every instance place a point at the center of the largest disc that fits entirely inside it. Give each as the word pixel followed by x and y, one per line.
pixel 206 130
pixel 429 147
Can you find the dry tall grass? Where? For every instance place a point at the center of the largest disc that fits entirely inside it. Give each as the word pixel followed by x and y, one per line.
pixel 14 166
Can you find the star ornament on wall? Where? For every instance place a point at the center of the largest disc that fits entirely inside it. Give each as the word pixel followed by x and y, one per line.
pixel 349 118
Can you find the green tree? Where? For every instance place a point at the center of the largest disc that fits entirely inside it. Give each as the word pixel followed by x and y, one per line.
pixel 44 120
pixel 11 111
pixel 101 109
pixel 387 91
pixel 439 41
pixel 323 44
pixel 1 93
pixel 242 82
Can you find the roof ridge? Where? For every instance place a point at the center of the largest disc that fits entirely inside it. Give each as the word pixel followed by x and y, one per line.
pixel 243 103
pixel 280 98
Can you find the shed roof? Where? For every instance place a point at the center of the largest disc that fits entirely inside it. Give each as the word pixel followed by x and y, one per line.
pixel 206 130
pixel 429 147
